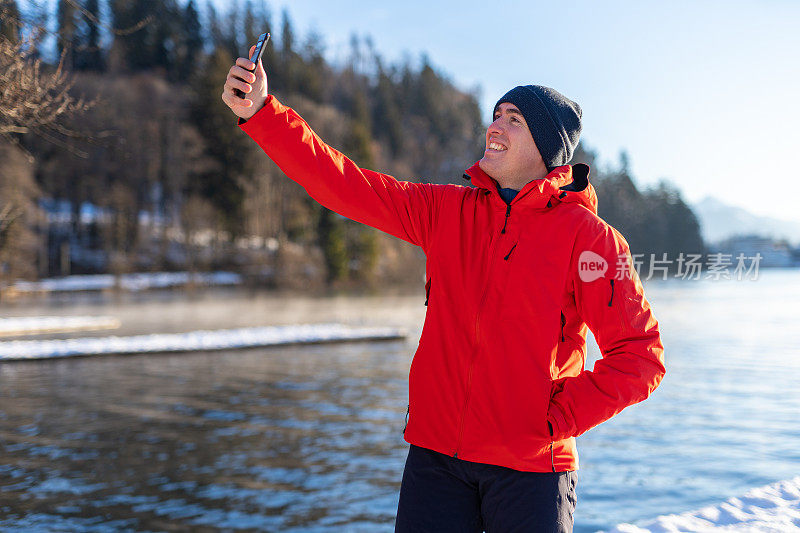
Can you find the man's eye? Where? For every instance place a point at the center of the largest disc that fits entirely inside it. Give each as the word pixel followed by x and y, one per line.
pixel 513 118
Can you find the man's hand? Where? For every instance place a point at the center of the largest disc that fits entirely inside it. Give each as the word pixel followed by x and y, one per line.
pixel 255 87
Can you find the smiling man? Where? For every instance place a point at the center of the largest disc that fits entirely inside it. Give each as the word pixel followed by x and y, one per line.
pixel 518 267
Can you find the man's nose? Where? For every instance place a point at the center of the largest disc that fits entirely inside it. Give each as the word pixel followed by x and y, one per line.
pixel 496 126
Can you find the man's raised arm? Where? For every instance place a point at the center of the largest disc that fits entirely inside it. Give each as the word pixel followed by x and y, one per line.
pixel 403 209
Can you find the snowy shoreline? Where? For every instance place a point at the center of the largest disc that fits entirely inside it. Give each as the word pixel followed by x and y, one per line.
pixel 205 340
pixel 36 325
pixel 129 282
pixel 773 508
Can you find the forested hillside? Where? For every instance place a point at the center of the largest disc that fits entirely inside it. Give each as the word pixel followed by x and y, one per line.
pixel 155 175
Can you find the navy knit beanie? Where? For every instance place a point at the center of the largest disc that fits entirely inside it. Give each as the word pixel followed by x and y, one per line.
pixel 554 121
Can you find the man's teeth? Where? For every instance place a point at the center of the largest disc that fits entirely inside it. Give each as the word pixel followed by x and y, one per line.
pixel 495 146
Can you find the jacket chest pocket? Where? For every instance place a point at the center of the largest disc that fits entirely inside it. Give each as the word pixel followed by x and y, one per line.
pixel 534 283
pixel 529 263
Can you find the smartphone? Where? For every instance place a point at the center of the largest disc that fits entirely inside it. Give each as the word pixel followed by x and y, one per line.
pixel 256 57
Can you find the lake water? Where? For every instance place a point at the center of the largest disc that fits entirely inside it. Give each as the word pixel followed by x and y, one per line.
pixel 309 438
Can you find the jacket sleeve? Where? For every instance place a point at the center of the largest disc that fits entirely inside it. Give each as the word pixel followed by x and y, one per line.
pixel 614 307
pixel 400 208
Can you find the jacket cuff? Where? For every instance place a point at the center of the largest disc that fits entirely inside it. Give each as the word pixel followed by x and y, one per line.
pixel 270 108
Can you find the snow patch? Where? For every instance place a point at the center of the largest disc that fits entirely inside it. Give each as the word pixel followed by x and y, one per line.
pixel 771 509
pixel 32 325
pixel 129 282
pixel 195 340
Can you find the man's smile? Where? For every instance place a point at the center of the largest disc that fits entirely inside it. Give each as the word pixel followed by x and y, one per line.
pixel 496 147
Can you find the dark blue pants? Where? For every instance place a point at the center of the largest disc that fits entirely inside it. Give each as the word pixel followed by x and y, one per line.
pixel 442 494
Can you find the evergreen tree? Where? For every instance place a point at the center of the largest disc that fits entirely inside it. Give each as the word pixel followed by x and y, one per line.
pixel 132 48
pixel 90 56
pixel 407 88
pixel 227 147
pixel 190 55
pixel 354 61
pixel 358 145
pixel 287 34
pixel 232 32
pixel 388 119
pixel 251 31
pixel 364 248
pixel 582 154
pixel 269 57
pixel 673 226
pixel 215 32
pixel 153 38
pixel 313 71
pixel 289 70
pixel 622 205
pixel 428 95
pixel 332 242
pixel 165 37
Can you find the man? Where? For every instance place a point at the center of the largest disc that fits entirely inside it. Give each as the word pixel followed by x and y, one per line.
pixel 517 267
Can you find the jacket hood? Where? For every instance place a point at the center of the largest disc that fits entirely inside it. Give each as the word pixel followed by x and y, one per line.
pixel 567 183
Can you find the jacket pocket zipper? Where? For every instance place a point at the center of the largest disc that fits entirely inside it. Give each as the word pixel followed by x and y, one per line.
pixel 427 291
pixel 612 292
pixel 563 323
pixel 549 425
pixel 509 252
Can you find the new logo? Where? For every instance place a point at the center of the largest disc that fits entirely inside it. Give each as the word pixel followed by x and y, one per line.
pixel 591 266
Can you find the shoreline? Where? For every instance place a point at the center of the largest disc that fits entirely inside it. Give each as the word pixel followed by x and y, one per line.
pixel 194 341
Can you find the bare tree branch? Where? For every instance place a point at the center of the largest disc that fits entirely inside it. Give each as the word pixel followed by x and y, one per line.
pixel 31 101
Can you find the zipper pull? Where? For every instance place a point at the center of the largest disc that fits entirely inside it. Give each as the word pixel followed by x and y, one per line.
pixel 508 212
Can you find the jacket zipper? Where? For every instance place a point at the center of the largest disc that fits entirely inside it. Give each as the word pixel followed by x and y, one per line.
pixel 508 213
pixel 466 402
pixel 563 323
pixel 509 252
pixel 477 339
pixel 552 459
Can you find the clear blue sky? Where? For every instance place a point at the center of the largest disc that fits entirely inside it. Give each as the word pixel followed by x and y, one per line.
pixel 703 93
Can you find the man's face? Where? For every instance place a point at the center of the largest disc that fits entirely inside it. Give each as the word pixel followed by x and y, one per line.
pixel 511 155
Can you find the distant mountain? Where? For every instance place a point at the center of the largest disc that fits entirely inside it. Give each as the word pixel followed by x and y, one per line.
pixel 719 221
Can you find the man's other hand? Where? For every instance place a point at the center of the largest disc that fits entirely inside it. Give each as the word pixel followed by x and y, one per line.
pixel 254 87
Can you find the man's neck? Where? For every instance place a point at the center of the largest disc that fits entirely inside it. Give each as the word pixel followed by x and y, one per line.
pixel 519 182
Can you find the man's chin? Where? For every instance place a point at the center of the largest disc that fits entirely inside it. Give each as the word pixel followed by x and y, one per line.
pixel 487 166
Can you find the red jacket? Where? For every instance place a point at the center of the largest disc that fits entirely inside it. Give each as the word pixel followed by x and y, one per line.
pixel 510 294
